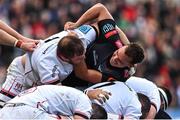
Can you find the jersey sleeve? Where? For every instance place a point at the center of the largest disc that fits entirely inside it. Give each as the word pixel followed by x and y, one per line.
pixel 108 32
pixel 133 109
pixel 48 74
pixel 83 107
pixel 87 34
pixel 155 98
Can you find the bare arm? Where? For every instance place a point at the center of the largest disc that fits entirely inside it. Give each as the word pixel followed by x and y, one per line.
pixel 12 38
pixel 6 39
pixel 98 12
pixel 9 30
pixel 12 32
pixel 152 113
pixel 84 73
pixel 122 35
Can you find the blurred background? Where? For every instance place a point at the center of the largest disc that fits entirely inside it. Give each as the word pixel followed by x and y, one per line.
pixel 155 24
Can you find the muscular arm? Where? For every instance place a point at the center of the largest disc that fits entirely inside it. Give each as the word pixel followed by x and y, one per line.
pixel 84 73
pixel 122 35
pixel 6 39
pixel 12 38
pixel 152 113
pixel 9 30
pixel 98 12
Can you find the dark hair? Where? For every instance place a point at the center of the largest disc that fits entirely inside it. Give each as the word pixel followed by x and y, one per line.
pixel 168 94
pixel 135 52
pixel 145 105
pixel 98 112
pixel 69 46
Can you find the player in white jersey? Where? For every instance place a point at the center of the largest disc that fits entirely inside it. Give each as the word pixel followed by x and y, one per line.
pixel 123 101
pixel 157 96
pixel 50 63
pixel 12 38
pixel 51 102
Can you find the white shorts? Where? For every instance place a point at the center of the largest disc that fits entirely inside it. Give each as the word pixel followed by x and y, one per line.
pixel 25 112
pixel 14 82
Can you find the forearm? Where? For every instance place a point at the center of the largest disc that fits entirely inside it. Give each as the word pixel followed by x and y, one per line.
pixel 7 39
pixel 98 12
pixel 92 76
pixel 152 113
pixel 84 73
pixel 9 30
pixel 123 37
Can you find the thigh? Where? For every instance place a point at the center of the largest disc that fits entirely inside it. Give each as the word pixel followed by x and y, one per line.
pixel 14 82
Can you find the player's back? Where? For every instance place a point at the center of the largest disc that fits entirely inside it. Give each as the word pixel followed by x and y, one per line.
pixel 53 98
pixel 146 87
pixel 123 101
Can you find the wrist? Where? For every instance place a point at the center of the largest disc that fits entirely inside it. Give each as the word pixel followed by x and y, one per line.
pixel 77 24
pixel 18 43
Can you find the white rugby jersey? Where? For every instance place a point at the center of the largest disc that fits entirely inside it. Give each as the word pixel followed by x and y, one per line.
pixel 59 100
pixel 146 87
pixel 46 66
pixel 123 102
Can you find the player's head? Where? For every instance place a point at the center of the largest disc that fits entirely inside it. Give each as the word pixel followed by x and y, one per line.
pixel 98 112
pixel 166 97
pixel 145 105
pixel 127 56
pixel 70 49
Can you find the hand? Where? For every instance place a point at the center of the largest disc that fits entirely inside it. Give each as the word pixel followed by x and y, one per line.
pixel 28 46
pixel 99 94
pixel 25 39
pixel 70 26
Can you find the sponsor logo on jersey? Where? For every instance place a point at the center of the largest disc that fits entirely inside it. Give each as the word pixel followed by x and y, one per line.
pixel 107 28
pixel 84 28
pixel 54 71
pixel 18 87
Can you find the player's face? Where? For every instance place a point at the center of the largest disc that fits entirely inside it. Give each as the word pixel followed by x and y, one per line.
pixel 120 59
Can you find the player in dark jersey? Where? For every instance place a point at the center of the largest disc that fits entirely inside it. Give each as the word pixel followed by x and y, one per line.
pixel 111 53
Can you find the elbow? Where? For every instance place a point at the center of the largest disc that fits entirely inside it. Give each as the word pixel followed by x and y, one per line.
pixel 100 6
